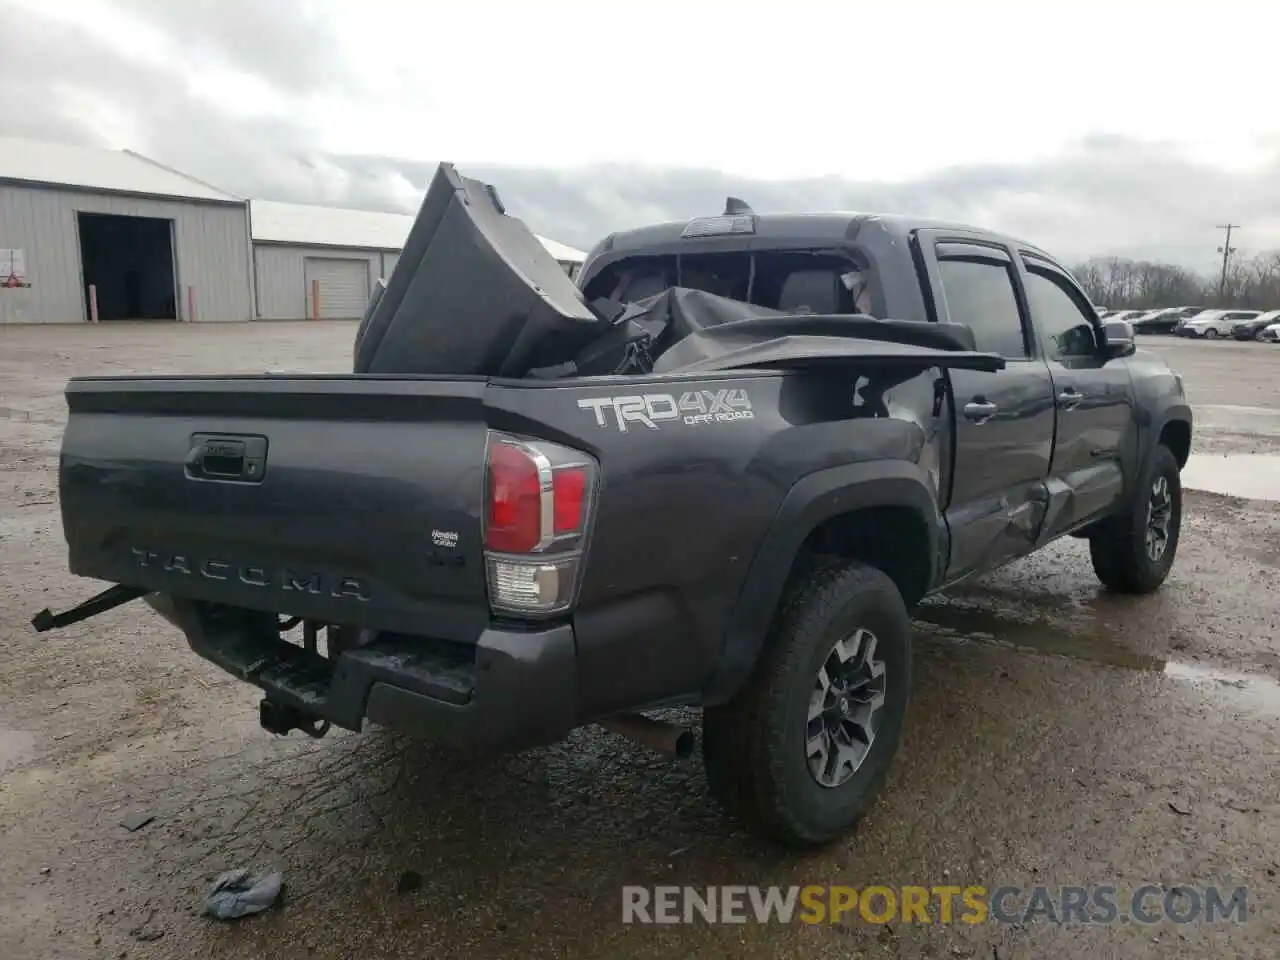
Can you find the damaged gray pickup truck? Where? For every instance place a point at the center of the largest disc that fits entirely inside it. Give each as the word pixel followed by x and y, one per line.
pixel 719 469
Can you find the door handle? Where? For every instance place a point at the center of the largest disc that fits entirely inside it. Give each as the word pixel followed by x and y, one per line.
pixel 1069 397
pixel 980 411
pixel 220 457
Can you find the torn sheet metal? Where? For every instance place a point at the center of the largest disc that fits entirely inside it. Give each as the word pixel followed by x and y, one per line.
pixel 473 294
pixel 780 340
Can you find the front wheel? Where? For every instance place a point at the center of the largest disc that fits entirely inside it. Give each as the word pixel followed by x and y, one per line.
pixel 1134 552
pixel 802 750
pixel 1211 334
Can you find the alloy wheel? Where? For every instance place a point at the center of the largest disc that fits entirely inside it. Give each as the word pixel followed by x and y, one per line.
pixel 1159 519
pixel 845 708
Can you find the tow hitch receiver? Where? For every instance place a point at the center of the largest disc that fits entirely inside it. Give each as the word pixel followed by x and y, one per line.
pixel 280 718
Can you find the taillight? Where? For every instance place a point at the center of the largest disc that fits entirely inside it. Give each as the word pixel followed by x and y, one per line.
pixel 569 499
pixel 516 479
pixel 538 498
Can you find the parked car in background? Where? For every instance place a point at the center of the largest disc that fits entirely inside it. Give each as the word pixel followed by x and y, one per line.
pixel 1270 334
pixel 1150 322
pixel 1211 324
pixel 1165 320
pixel 1252 329
pixel 1128 315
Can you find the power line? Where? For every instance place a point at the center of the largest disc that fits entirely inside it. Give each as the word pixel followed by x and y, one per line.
pixel 1226 250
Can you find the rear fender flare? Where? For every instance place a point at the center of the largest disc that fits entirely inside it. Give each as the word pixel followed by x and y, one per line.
pixel 812 501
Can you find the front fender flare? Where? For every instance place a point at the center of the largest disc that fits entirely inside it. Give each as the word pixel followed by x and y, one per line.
pixel 812 501
pixel 1173 413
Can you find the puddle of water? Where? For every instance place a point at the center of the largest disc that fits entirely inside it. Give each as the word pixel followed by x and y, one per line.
pixel 14 745
pixel 964 622
pixel 1234 409
pixel 1255 476
pixel 1259 691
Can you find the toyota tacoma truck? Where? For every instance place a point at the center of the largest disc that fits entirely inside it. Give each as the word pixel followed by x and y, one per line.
pixel 456 543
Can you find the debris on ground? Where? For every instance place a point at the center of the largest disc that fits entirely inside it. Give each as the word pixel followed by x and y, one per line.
pixel 1181 809
pixel 135 820
pixel 143 933
pixel 237 893
pixel 409 881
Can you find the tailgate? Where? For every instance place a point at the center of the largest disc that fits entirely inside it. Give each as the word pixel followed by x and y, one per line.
pixel 343 499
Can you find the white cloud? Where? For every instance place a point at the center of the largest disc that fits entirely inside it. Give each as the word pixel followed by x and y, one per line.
pixel 1130 128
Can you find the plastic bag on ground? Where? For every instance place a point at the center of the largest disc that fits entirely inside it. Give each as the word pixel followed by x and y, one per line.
pixel 237 893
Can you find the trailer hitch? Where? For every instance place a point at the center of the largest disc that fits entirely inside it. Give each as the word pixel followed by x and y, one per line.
pixel 108 599
pixel 280 718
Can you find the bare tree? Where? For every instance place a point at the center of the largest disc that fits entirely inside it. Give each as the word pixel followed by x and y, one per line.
pixel 1121 283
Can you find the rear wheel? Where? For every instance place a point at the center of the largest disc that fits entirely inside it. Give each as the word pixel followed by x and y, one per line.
pixel 1211 334
pixel 1133 553
pixel 802 750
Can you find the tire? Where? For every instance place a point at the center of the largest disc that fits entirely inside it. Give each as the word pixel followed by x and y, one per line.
pixel 1211 334
pixel 754 747
pixel 1119 549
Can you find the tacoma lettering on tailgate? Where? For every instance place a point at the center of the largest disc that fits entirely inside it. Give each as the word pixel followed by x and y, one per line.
pixel 252 575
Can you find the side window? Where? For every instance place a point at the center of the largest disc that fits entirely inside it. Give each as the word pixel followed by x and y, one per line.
pixel 979 294
pixel 1063 322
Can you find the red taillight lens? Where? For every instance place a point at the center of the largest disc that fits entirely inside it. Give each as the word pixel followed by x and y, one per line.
pixel 514 522
pixel 570 494
pixel 538 506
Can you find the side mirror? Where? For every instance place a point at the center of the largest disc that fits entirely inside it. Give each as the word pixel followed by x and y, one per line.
pixel 1117 338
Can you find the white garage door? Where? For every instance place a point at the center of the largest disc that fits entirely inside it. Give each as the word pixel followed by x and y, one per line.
pixel 341 286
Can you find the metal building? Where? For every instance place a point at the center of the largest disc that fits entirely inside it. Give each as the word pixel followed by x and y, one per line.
pixel 322 262
pixel 109 235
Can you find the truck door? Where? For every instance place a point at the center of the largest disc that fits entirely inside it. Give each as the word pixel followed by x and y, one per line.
pixel 1093 397
pixel 1004 420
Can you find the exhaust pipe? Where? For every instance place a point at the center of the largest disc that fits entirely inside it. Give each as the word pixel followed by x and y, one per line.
pixel 673 742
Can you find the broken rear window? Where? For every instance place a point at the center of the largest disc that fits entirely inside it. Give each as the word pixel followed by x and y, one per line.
pixel 795 281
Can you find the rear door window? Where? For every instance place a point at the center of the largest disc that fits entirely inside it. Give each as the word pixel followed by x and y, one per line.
pixel 979 294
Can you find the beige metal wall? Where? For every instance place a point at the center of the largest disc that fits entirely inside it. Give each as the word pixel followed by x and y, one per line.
pixel 211 250
pixel 281 277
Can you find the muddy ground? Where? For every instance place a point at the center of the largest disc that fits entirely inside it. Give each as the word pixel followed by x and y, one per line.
pixel 1059 736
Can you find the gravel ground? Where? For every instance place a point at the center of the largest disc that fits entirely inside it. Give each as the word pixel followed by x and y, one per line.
pixel 1059 736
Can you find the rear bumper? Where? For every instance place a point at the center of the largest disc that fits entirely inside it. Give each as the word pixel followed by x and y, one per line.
pixel 524 694
pixel 510 690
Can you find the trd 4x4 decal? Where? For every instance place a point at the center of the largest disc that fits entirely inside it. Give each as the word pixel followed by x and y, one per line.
pixel 693 407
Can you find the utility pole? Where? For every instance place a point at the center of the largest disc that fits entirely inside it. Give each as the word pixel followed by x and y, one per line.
pixel 1226 250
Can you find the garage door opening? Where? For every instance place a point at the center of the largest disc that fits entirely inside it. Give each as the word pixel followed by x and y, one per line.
pixel 129 263
pixel 336 289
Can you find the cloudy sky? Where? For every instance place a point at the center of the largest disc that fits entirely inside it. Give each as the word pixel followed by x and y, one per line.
pixel 1128 127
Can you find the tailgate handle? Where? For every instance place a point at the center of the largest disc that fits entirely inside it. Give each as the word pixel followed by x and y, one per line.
pixel 220 457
